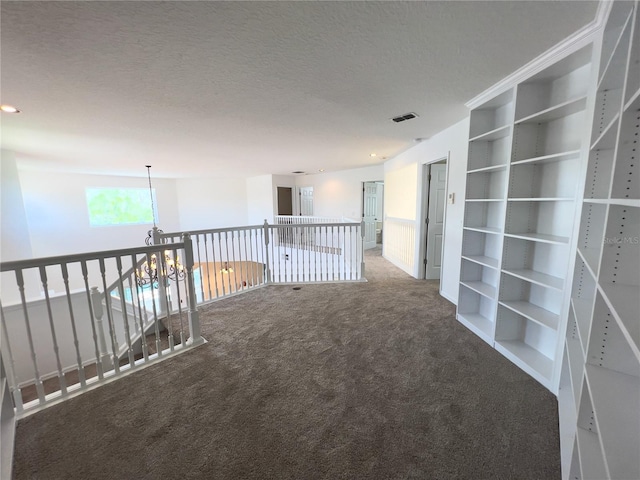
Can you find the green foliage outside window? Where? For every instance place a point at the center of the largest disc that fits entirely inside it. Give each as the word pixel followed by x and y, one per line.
pixel 119 206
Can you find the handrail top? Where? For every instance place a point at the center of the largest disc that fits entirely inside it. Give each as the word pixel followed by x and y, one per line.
pixel 209 230
pixel 79 257
pixel 256 227
pixel 314 225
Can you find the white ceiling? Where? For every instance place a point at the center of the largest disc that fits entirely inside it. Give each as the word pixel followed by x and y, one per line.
pixel 249 88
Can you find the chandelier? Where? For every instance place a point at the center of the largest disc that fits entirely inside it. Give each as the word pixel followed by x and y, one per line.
pixel 226 268
pixel 169 268
pixel 150 271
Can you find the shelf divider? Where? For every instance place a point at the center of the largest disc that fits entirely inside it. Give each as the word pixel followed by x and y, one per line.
pixel 538 278
pixel 534 313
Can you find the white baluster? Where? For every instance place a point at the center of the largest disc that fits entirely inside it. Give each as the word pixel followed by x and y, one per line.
pixel 98 312
pixel 194 319
pixel 125 315
pixel 54 338
pixel 112 332
pixel 361 249
pixel 92 319
pixel 65 278
pixel 266 250
pixel 141 318
pixel 36 373
pixel 14 382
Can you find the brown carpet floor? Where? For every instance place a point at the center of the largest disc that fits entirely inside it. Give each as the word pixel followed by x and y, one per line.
pixel 345 381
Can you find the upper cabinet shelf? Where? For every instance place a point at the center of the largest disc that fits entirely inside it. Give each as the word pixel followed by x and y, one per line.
pixel 557 111
pixel 556 137
pixel 633 76
pixel 486 154
pixel 495 134
pixel 489 185
pixel 626 174
pixel 555 157
pixel 617 20
pixel 557 91
pixel 544 180
pixel 609 96
pixel 492 119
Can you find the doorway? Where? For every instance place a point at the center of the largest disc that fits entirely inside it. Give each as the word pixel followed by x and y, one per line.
pixel 285 201
pixel 372 213
pixel 434 192
pixel 306 201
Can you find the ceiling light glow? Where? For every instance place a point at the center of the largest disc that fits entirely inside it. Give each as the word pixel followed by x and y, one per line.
pixel 373 155
pixel 9 109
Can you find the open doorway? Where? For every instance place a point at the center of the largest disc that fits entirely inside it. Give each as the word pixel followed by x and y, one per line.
pixel 372 213
pixel 434 192
pixel 285 201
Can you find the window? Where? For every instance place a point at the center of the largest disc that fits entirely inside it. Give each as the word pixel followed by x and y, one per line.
pixel 119 206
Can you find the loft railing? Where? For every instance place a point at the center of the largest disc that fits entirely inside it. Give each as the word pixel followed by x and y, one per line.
pixel 305 220
pixel 62 335
pixel 298 250
pixel 71 322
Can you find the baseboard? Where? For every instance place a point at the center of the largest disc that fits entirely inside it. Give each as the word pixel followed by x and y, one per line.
pixel 401 266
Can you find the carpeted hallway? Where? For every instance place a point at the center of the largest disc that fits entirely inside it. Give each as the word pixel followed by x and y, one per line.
pixel 369 380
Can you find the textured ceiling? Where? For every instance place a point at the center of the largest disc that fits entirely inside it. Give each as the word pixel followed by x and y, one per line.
pixel 248 88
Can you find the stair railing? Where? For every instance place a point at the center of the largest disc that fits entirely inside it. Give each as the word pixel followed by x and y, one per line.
pixel 51 318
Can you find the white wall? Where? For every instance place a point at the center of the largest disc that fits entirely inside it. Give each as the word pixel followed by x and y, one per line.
pixel 260 199
pixel 15 243
pixel 339 194
pixel 403 178
pixel 58 217
pixel 401 189
pixel 211 202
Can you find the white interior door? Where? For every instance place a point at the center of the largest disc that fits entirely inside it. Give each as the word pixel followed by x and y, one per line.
pixel 306 201
pixel 370 213
pixel 435 219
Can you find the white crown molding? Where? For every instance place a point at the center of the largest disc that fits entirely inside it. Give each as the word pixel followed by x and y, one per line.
pixel 570 44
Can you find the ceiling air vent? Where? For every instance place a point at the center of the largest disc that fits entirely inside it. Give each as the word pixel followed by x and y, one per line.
pixel 297 171
pixel 406 116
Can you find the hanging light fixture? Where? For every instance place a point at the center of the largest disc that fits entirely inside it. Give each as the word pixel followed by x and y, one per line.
pixel 226 268
pixel 149 239
pixel 169 268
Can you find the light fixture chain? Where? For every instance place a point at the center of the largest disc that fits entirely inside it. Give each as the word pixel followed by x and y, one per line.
pixel 153 210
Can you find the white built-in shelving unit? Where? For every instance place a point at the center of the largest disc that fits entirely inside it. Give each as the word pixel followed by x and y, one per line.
pixel 550 273
pixel 486 199
pixel 525 152
pixel 599 395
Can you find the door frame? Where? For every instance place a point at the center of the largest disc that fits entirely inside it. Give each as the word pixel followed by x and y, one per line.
pixel 424 212
pixel 362 192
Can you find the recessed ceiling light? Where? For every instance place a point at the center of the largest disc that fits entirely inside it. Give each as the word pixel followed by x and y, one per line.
pixel 321 170
pixel 373 154
pixel 9 109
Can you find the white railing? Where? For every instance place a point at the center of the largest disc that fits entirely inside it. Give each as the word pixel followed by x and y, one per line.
pixel 68 340
pixel 399 242
pixel 236 259
pixel 226 260
pixel 316 252
pixel 306 220
pixel 72 322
